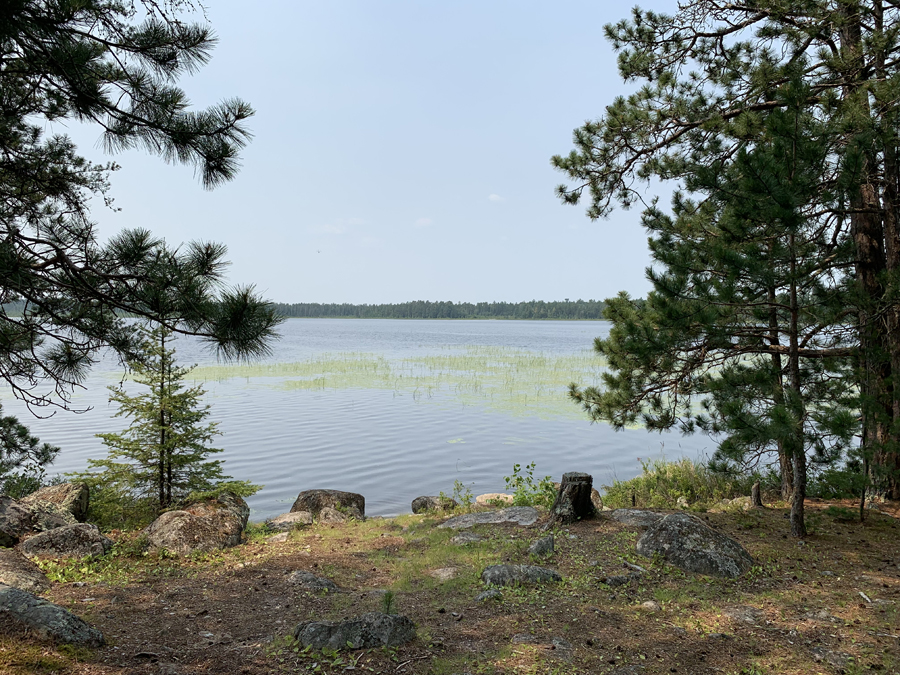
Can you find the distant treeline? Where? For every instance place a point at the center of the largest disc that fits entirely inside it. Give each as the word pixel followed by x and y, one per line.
pixel 425 309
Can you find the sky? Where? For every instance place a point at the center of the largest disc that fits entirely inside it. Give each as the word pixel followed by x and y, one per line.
pixel 401 151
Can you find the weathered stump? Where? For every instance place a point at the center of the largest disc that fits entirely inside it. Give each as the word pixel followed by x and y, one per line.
pixel 755 498
pixel 573 501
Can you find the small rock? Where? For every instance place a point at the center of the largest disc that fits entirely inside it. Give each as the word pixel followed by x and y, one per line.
pixel 312 582
pixel 430 503
pixel 490 594
pixel 75 541
pixel 493 499
pixel 505 575
pixel 821 615
pixel 635 517
pixel 290 521
pixel 520 515
pixel 46 619
pixel 682 503
pixel 621 579
pixel 464 538
pixel 651 606
pixel 542 547
pixel 333 516
pixel 745 614
pixel 313 501
pixel 444 573
pixel 523 639
pixel 837 659
pixel 279 538
pixel 19 572
pixel 364 632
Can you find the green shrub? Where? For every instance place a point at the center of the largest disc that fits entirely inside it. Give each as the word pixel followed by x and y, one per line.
pixel 524 489
pixel 661 483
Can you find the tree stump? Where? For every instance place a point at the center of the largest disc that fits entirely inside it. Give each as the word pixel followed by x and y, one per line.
pixel 573 501
pixel 755 498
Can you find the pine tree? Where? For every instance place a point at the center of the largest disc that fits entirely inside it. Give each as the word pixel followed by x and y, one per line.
pixel 22 457
pixel 164 454
pixel 115 65
pixel 744 334
pixel 710 73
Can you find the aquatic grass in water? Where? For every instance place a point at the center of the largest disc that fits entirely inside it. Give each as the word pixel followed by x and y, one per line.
pixel 513 381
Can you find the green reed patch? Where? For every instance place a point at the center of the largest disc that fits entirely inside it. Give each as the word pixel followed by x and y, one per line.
pixel 513 381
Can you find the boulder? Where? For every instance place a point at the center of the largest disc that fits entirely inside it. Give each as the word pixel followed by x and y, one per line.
pixel 290 521
pixel 67 498
pixel 520 515
pixel 19 572
pixel 314 501
pixel 205 526
pixel 493 499
pixel 635 517
pixel 49 621
pixel 333 516
pixel 16 520
pixel 364 632
pixel 52 518
pixel 425 504
pixel 688 543
pixel 72 541
pixel 311 582
pixel 507 575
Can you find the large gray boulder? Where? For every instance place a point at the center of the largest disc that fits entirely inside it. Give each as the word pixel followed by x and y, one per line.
pixel 19 572
pixel 364 632
pixel 66 499
pixel 46 619
pixel 314 501
pixel 204 526
pixel 688 543
pixel 72 541
pixel 16 520
pixel 430 503
pixel 520 515
pixel 509 575
pixel 635 517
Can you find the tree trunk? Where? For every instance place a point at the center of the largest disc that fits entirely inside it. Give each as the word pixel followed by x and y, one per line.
pixel 755 498
pixel 797 444
pixel 784 462
pixel 573 501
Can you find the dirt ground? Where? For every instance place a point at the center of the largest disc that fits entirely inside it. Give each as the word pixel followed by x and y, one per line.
pixel 829 604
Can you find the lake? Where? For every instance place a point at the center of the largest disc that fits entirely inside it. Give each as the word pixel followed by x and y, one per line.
pixel 392 409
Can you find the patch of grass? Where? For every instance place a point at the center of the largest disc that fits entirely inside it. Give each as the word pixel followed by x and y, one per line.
pixel 662 482
pixel 18 657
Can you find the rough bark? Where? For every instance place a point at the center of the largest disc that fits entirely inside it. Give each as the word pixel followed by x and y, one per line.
pixel 573 501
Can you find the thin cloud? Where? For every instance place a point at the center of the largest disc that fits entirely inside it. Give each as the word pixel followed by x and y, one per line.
pixel 423 222
pixel 495 198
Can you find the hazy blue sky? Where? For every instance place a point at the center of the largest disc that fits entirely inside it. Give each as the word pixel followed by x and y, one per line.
pixel 401 151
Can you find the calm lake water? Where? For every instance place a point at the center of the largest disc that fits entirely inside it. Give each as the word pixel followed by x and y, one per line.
pixel 390 409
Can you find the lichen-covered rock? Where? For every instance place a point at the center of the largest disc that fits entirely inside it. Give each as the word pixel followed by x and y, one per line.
pixel 541 547
pixel 52 517
pixel 46 619
pixel 205 526
pixel 16 520
pixel 506 575
pixel 311 582
pixel 635 517
pixel 290 521
pixel 424 504
pixel 494 499
pixel 72 541
pixel 332 516
pixel 688 543
pixel 520 515
pixel 364 632
pixel 350 503
pixel 19 572
pixel 73 499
